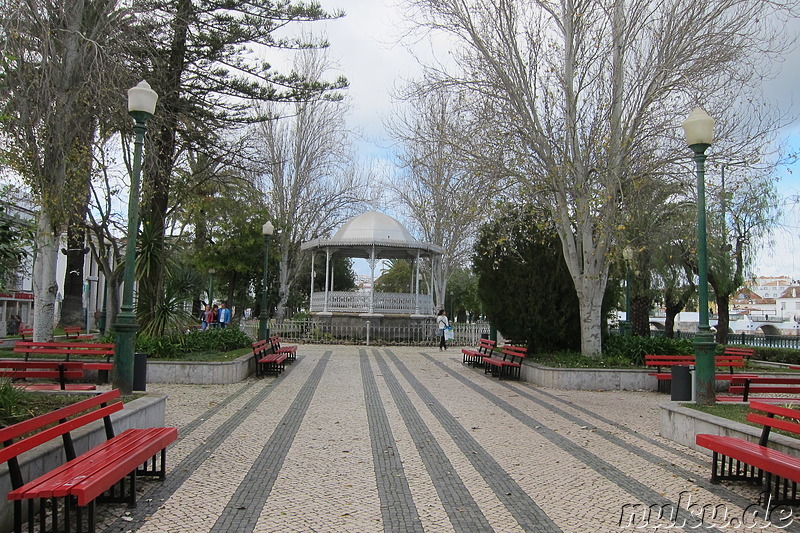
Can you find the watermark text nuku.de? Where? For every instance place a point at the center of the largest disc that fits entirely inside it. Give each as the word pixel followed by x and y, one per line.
pixel 688 514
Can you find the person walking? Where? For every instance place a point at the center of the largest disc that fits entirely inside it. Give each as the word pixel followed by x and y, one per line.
pixel 224 315
pixel 208 317
pixel 442 323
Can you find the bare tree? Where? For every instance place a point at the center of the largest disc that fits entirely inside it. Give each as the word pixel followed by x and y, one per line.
pixel 582 88
pixel 306 171
pixel 56 62
pixel 441 195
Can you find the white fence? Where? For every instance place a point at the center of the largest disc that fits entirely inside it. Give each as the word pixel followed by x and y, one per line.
pixel 310 331
pixel 384 302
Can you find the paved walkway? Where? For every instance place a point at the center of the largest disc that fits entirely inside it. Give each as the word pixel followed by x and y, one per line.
pixel 358 439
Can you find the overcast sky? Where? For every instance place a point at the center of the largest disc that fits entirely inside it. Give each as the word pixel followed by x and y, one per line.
pixel 365 45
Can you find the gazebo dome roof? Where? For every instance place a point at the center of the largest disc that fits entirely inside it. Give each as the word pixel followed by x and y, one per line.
pixel 371 227
pixel 373 230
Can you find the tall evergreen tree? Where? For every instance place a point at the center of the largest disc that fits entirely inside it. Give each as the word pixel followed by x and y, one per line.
pixel 524 283
pixel 204 60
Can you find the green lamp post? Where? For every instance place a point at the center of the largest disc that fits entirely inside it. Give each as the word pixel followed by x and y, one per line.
pixel 263 327
pixel 141 106
pixel 625 325
pixel 699 131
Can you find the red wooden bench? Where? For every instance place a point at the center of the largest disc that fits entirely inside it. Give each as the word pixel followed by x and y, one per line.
pixel 59 371
pixel 668 361
pixel 745 385
pixel 74 333
pixel 26 333
pixel 72 488
pixel 747 353
pixel 507 363
pixel 738 459
pixel 290 351
pixel 729 361
pixel 69 349
pixel 474 356
pixel 267 361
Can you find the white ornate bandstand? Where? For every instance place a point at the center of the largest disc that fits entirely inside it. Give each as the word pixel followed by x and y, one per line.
pixel 372 236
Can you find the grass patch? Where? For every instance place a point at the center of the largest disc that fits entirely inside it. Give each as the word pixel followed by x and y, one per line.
pixel 208 356
pixel 568 359
pixel 17 405
pixel 736 413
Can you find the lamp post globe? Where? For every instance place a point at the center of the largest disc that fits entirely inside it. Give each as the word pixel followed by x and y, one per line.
pixel 141 106
pixel 263 326
pixel 699 132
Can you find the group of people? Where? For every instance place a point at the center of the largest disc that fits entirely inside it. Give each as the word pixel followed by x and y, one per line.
pixel 216 316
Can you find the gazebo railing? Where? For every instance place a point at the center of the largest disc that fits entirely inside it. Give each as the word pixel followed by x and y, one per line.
pixel 311 331
pixel 384 302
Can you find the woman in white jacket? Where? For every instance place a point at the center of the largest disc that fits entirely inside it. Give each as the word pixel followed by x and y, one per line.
pixel 442 323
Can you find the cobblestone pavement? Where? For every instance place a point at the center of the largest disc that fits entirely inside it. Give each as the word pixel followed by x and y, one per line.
pixel 358 439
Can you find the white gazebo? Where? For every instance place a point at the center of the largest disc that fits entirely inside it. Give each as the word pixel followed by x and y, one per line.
pixel 372 236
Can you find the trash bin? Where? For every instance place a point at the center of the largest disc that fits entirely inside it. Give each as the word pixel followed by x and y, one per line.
pixel 140 371
pixel 681 383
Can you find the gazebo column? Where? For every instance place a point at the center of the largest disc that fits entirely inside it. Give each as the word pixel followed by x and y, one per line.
pixel 372 281
pixel 333 272
pixel 416 283
pixel 311 292
pixel 327 277
pixel 433 284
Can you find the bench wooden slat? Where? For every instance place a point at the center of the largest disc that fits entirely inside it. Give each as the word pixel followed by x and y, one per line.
pixel 290 351
pixel 729 361
pixel 508 361
pixel 729 453
pixel 746 385
pixel 114 460
pixel 59 371
pixel 474 356
pixel 87 476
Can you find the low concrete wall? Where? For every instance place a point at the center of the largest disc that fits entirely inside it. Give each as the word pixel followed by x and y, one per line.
pixel 588 378
pixel 143 412
pixel 681 424
pixel 193 373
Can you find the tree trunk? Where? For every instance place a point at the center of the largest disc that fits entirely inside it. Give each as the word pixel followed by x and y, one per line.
pixel 72 304
pixel 113 302
pixel 162 154
pixel 590 303
pixel 669 323
pixel 640 316
pixel 283 284
pixel 44 279
pixel 724 320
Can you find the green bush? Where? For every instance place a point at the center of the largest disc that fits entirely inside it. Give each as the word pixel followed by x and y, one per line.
pixel 776 355
pixel 215 340
pixel 634 349
pixel 195 341
pixel 10 399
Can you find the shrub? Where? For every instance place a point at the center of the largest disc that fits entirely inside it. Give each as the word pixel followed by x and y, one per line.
pixel 177 346
pixel 777 355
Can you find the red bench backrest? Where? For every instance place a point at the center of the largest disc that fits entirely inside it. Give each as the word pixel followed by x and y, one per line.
pixel 744 352
pixel 76 415
pixel 668 360
pixel 784 418
pixel 486 345
pixel 729 360
pixel 515 351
